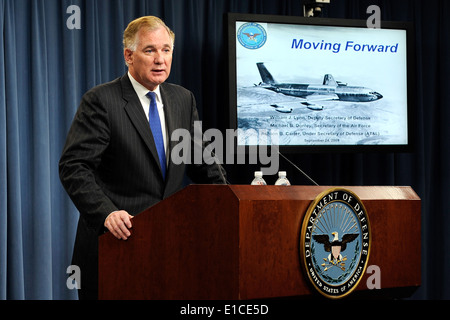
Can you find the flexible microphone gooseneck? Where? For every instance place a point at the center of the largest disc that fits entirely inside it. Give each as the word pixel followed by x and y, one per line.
pixel 309 178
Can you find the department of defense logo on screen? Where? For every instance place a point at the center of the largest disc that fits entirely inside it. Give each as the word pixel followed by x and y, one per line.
pixel 335 242
pixel 252 35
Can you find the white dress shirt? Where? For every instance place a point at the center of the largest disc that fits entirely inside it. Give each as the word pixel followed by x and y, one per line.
pixel 141 92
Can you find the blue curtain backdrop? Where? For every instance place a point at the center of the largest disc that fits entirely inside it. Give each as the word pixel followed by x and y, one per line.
pixel 45 67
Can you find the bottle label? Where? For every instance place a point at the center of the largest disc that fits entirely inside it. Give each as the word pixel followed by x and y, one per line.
pixel 260 183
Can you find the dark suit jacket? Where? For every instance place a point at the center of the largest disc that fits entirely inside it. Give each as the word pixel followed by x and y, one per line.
pixel 110 163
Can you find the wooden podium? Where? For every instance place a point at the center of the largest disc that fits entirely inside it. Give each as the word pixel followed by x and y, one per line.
pixel 242 242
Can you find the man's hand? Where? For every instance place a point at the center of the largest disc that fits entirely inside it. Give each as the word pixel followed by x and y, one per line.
pixel 118 223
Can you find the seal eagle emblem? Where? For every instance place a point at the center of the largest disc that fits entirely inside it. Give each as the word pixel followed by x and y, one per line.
pixel 335 242
pixel 251 35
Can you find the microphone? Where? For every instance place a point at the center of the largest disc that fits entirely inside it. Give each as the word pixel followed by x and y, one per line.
pixel 309 178
pixel 195 151
pixel 210 155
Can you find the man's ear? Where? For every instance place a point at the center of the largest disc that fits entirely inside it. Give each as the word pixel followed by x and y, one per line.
pixel 128 56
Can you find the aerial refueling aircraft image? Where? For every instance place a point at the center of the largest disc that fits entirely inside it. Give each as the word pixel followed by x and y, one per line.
pixel 312 94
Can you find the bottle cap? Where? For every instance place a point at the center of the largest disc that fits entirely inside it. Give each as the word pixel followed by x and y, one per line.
pixel 258 174
pixel 281 173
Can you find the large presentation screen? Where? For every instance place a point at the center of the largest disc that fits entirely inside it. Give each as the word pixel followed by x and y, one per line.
pixel 310 83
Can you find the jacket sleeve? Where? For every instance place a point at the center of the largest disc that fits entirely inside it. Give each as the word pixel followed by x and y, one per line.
pixel 87 139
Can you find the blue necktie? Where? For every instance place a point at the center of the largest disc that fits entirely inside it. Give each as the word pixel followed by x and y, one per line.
pixel 155 125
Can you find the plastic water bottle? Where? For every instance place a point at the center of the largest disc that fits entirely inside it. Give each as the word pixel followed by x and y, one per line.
pixel 259 179
pixel 282 180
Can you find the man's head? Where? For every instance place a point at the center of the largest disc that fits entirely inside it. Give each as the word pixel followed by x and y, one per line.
pixel 148 46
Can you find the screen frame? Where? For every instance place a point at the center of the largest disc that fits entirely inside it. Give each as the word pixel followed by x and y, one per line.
pixel 232 18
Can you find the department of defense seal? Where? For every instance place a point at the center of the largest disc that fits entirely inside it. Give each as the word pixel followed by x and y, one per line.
pixel 335 242
pixel 252 35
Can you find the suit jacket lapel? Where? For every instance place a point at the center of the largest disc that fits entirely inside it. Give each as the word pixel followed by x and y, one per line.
pixel 171 125
pixel 137 116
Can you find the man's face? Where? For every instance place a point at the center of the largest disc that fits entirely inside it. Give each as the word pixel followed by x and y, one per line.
pixel 150 63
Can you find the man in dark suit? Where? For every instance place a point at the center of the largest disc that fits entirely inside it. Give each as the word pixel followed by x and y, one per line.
pixel 110 165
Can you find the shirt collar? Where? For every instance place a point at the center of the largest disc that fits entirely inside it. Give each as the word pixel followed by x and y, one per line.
pixel 142 91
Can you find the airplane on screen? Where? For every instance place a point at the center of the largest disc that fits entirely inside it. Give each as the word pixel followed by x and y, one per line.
pixel 313 94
